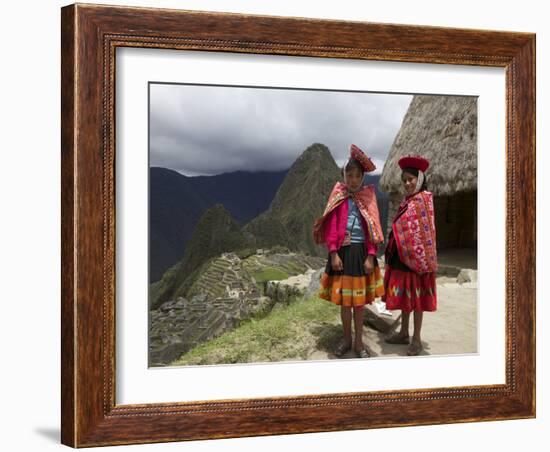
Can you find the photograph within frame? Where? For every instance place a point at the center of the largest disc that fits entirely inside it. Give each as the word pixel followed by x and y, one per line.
pixel 255 297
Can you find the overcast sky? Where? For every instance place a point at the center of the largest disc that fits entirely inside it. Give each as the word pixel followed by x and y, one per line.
pixel 207 130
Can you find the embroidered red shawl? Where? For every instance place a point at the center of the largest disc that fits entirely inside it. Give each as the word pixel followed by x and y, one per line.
pixel 414 232
pixel 365 200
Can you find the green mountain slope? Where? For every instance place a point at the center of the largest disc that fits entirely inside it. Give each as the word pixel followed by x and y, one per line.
pixel 291 333
pixel 300 200
pixel 216 232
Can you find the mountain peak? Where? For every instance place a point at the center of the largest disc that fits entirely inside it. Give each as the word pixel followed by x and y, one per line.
pixel 315 152
pixel 300 199
pixel 216 210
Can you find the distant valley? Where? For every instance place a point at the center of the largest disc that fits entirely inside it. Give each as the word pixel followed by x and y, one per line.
pixel 176 202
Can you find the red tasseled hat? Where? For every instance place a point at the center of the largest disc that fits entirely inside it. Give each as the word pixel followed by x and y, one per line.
pixel 361 157
pixel 414 161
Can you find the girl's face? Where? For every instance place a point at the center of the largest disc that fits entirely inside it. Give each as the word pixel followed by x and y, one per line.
pixel 409 182
pixel 354 179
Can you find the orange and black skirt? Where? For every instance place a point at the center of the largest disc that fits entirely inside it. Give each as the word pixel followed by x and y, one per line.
pixel 352 286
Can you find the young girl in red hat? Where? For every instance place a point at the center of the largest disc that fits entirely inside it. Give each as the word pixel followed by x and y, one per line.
pixel 411 258
pixel 350 227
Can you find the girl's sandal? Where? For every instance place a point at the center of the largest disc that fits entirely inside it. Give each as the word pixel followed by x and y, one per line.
pixel 363 353
pixel 342 349
pixel 397 339
pixel 414 349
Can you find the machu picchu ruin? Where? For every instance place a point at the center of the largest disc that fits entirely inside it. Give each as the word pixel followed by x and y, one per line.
pixel 228 291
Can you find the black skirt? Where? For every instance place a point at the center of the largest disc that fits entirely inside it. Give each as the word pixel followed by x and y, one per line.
pixel 392 255
pixel 353 258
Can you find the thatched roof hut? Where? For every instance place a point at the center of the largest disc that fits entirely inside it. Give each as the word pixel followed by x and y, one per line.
pixel 442 129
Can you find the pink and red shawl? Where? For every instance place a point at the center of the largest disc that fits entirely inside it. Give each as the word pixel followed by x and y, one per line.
pixel 365 200
pixel 414 232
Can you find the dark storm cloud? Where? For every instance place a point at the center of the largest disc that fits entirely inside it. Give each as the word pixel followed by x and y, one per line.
pixel 211 130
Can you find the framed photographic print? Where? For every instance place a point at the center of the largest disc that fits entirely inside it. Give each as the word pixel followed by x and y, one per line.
pixel 244 251
pixel 198 151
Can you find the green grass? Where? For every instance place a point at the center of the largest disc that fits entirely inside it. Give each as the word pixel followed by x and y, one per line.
pixel 290 333
pixel 269 274
pixel 294 268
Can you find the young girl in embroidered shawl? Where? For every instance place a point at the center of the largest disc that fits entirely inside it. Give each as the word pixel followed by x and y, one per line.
pixel 350 227
pixel 411 258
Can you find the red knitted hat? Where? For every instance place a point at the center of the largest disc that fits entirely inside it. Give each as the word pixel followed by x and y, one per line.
pixel 414 161
pixel 361 157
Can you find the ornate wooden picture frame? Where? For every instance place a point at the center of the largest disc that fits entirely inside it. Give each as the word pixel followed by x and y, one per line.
pixel 90 36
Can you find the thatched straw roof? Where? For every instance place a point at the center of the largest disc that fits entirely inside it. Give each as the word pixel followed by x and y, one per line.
pixel 442 129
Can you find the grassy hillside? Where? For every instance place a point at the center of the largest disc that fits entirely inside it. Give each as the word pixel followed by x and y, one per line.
pixel 289 333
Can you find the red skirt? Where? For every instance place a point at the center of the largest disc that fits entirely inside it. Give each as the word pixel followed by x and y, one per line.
pixel 409 291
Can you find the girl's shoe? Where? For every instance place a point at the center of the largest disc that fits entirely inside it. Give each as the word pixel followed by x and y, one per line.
pixel 363 353
pixel 342 349
pixel 415 348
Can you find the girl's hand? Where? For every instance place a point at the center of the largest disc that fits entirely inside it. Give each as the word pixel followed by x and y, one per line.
pixel 369 264
pixel 336 262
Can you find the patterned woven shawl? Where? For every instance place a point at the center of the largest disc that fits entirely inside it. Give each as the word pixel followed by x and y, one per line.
pixel 414 232
pixel 365 200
